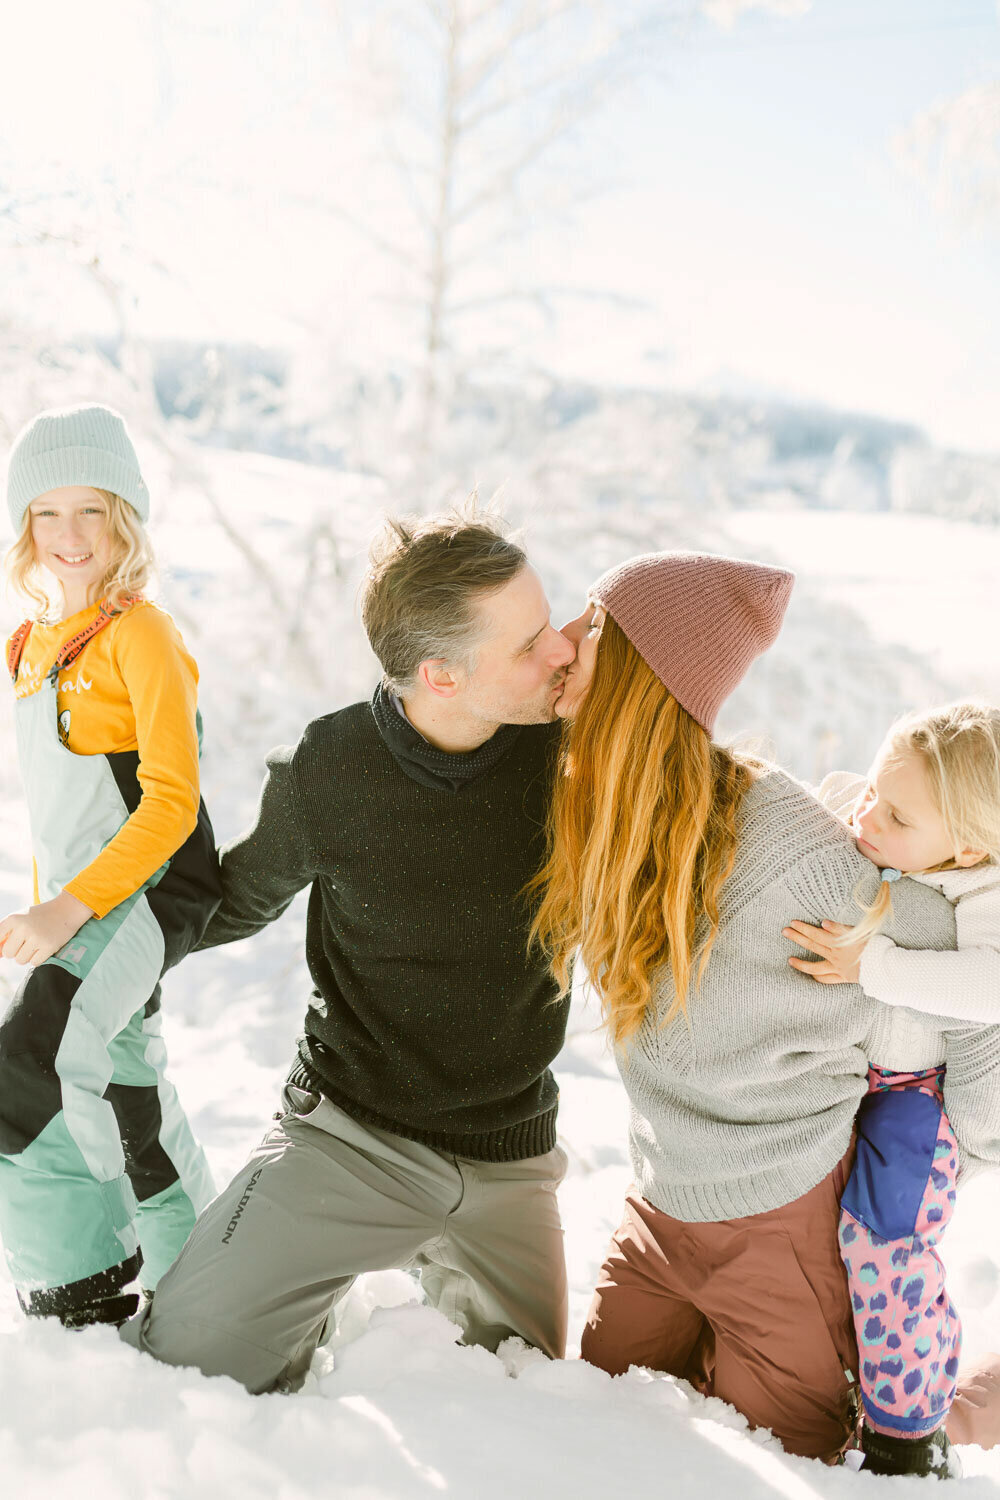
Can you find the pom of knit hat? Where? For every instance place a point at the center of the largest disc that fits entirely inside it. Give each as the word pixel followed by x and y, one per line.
pixel 86 445
pixel 697 619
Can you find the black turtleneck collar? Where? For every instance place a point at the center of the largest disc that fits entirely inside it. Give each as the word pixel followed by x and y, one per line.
pixel 424 762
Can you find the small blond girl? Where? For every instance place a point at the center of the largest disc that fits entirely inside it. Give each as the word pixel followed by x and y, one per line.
pixel 929 811
pixel 100 1175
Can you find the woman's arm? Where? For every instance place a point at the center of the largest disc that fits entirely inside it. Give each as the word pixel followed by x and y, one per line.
pixel 972 1096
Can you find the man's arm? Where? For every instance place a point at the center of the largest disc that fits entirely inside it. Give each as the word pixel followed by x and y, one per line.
pixel 266 867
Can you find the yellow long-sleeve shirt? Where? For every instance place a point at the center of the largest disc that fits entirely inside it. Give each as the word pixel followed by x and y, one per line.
pixel 134 687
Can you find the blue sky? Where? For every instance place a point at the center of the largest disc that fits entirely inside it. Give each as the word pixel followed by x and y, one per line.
pixel 777 238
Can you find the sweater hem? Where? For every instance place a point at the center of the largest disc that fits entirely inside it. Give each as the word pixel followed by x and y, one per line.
pixel 740 1197
pixel 517 1142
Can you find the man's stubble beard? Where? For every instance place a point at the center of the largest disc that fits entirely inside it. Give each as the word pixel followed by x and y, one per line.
pixel 539 710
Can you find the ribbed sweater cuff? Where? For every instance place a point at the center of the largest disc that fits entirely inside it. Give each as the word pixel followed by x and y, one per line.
pixel 515 1142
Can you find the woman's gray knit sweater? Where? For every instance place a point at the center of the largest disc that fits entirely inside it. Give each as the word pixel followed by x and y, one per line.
pixel 750 1102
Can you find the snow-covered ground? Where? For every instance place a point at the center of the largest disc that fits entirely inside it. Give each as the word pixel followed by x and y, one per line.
pixel 396 1409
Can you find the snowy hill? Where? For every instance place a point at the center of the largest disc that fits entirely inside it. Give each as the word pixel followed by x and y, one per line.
pixel 262 556
pixel 720 452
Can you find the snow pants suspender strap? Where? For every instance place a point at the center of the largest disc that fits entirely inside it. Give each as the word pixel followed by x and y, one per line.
pixel 16 647
pixel 70 649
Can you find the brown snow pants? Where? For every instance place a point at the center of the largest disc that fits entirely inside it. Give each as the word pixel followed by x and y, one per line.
pixel 754 1310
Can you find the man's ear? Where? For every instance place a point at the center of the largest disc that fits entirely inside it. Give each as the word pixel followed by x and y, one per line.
pixel 439 679
pixel 969 857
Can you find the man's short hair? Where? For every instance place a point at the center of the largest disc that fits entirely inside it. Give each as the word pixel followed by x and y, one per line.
pixel 424 578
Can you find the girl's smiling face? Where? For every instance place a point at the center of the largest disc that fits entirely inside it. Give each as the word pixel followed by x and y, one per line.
pixel 896 821
pixel 69 529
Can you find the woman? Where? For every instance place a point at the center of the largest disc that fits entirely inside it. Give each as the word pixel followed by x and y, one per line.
pixel 674 865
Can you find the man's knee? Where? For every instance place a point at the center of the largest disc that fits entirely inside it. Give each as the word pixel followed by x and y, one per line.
pixel 176 1338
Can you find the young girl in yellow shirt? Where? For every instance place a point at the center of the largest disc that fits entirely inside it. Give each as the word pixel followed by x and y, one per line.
pixel 100 1175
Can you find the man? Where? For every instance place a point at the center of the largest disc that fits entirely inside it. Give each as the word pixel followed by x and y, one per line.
pixel 419 1115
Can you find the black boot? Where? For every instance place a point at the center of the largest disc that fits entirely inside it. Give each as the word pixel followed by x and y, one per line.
pixel 114 1310
pixel 930 1455
pixel 100 1298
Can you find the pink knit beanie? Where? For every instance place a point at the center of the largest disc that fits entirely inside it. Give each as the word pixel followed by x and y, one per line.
pixel 698 620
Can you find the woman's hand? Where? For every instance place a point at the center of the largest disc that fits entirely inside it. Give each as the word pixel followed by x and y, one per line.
pixel 840 963
pixel 30 937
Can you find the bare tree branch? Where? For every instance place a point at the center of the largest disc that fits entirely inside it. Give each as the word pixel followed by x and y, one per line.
pixel 478 76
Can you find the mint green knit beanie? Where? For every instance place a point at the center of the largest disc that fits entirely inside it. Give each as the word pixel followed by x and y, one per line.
pixel 74 445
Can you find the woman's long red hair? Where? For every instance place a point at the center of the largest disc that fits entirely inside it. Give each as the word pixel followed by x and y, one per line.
pixel 641 836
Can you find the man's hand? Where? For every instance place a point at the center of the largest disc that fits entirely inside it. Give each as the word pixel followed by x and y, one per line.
pixel 839 963
pixel 30 937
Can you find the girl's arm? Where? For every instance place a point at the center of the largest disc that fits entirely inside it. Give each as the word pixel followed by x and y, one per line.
pixel 30 937
pixel 964 984
pixel 161 681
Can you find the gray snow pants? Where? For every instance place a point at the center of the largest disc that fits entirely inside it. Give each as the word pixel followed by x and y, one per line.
pixel 324 1198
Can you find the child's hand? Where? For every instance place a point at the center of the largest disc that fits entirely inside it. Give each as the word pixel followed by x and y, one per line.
pixel 839 964
pixel 30 937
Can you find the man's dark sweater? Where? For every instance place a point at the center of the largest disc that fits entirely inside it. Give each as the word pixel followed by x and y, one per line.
pixel 429 1018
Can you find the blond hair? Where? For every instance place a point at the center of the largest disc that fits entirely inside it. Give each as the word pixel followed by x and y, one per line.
pixel 642 835
pixel 958 746
pixel 129 573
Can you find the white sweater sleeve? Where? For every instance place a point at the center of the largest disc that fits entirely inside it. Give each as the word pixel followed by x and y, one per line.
pixel 964 984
